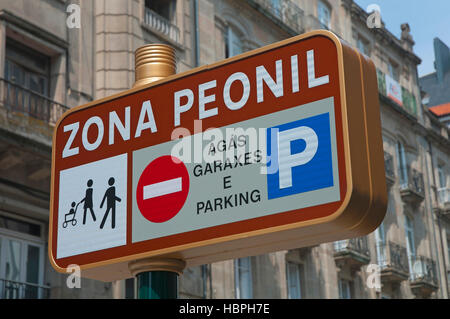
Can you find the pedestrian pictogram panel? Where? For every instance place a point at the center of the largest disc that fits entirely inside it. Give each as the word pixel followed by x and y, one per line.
pixel 85 225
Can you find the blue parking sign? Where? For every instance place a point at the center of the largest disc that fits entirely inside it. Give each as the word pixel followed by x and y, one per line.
pixel 299 156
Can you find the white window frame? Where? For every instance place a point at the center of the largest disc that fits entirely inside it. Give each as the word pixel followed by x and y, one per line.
pixel 294 279
pixel 324 14
pixel 380 239
pixel 442 191
pixel 345 286
pixel 238 268
pixel 402 164
pixel 25 240
pixel 410 242
pixel 393 71
pixel 233 38
pixel 363 45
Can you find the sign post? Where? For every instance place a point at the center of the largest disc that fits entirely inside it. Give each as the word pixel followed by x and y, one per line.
pixel 277 148
pixel 155 278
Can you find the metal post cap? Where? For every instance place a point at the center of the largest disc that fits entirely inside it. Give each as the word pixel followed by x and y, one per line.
pixel 154 62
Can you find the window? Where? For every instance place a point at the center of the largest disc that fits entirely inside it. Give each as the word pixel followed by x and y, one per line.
pixel 393 71
pixel 233 43
pixel 20 226
pixel 363 46
pixel 380 239
pixel 243 278
pixel 21 259
pixel 324 14
pixel 294 278
pixel 27 68
pixel 401 163
pixel 442 179
pixel 165 8
pixel 27 80
pixel 345 289
pixel 21 268
pixel 160 16
pixel 410 246
pixel 443 193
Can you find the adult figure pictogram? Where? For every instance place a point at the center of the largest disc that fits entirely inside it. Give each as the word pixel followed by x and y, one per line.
pixel 88 202
pixel 111 198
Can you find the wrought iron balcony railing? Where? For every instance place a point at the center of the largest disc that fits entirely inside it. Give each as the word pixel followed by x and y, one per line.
pixel 16 98
pixel 393 260
pixel 352 252
pixel 413 189
pixel 358 245
pixel 284 11
pixel 19 290
pixel 160 24
pixel 423 270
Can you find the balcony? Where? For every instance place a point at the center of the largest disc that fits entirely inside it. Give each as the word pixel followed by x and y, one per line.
pixel 443 204
pixel 20 290
pixel 412 189
pixel 353 253
pixel 393 261
pixel 285 14
pixel 397 94
pixel 161 25
pixel 27 113
pixel 423 279
pixel 389 169
pixel 18 99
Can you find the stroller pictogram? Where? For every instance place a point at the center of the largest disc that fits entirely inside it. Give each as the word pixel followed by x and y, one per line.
pixel 70 217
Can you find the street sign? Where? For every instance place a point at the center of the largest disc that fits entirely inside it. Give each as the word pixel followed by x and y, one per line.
pixel 277 148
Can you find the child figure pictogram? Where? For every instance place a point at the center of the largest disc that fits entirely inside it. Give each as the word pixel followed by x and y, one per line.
pixel 70 216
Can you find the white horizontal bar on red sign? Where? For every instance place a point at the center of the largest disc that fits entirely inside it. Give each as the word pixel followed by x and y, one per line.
pixel 162 188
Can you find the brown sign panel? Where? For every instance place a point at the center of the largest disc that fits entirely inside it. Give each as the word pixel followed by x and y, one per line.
pixel 277 148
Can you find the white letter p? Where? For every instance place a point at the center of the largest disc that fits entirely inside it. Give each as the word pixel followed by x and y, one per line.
pixel 287 160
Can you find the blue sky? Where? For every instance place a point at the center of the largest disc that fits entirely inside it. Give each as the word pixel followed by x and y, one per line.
pixel 427 20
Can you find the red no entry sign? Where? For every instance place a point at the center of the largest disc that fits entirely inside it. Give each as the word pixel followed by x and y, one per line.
pixel 162 189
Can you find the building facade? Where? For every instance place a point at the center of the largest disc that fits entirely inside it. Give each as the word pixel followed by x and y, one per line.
pixel 48 65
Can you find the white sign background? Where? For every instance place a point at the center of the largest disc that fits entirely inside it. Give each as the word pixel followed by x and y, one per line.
pixel 245 178
pixel 79 239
